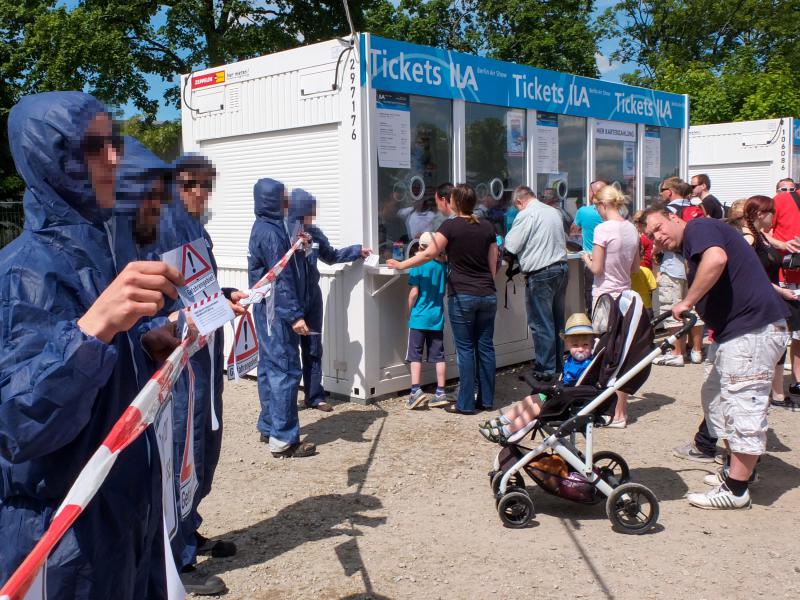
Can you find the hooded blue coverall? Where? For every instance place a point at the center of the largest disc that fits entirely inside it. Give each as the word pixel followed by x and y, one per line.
pixel 61 391
pixel 301 205
pixel 178 227
pixel 278 357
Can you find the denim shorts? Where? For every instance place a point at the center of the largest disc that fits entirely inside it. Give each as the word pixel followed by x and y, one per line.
pixel 420 339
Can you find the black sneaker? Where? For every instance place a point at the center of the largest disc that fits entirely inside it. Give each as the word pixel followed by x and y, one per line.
pixel 794 389
pixel 214 548
pixel 197 582
pixel 786 403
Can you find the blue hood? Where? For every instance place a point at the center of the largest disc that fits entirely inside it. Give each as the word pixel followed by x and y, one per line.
pixel 137 172
pixel 268 198
pixel 46 132
pixel 301 204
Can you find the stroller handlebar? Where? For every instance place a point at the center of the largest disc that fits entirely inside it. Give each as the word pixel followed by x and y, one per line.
pixel 689 320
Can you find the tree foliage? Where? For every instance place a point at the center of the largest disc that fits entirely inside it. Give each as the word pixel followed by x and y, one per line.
pixel 164 139
pixel 735 58
pixel 551 34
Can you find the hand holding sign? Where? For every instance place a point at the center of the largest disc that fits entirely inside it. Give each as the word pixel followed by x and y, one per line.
pixel 138 291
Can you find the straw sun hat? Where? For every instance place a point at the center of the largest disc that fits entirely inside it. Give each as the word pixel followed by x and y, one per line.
pixel 578 324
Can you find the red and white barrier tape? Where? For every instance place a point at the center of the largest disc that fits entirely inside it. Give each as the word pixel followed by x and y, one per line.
pixel 136 418
pixel 260 289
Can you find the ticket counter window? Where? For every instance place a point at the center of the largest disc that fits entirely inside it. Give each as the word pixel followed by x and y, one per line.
pixel 615 156
pixel 662 159
pixel 495 159
pixel 414 137
pixel 561 159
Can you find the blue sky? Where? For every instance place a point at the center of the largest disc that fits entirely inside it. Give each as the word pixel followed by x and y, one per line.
pixel 608 71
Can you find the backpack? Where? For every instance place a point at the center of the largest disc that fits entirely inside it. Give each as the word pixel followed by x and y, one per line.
pixel 687 213
pixel 512 269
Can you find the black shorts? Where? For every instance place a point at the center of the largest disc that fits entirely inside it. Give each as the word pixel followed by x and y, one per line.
pixel 418 339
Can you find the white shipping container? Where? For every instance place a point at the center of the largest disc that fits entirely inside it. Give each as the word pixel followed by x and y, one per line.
pixel 746 158
pixel 317 117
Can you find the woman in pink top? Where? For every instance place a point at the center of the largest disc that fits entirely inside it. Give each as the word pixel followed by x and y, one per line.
pixel 615 254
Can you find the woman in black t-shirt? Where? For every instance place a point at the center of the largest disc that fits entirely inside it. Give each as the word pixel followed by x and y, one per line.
pixel 757 216
pixel 472 302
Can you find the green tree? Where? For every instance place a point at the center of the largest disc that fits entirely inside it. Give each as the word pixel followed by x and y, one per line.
pixel 164 138
pixel 551 34
pixel 735 58
pixel 554 34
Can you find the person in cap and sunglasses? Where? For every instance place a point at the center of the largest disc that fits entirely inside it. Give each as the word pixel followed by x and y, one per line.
pixel 183 221
pixel 784 234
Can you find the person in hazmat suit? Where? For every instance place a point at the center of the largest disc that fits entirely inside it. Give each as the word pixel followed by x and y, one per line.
pixel 68 360
pixel 302 212
pixel 279 323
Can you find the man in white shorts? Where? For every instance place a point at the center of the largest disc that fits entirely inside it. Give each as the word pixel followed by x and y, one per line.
pixel 729 288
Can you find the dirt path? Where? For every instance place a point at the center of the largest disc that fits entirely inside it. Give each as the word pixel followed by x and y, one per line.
pixel 397 505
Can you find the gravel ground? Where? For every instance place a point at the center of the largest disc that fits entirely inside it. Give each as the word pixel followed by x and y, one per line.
pixel 396 504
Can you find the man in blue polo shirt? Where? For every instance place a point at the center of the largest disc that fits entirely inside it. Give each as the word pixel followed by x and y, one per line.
pixel 730 290
pixel 586 219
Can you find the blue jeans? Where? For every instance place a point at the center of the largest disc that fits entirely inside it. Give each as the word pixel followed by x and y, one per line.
pixel 472 321
pixel 545 293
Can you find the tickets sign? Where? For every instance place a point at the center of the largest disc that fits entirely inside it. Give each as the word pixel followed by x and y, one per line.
pixel 208 79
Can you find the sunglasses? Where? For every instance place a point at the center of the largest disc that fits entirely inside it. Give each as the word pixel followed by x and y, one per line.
pixel 195 183
pixel 95 144
pixel 664 189
pixel 786 189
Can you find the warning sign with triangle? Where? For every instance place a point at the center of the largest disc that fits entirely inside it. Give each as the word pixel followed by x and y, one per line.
pixel 193 265
pixel 245 348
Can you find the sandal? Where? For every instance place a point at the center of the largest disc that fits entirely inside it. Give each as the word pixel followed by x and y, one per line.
pixel 298 450
pixel 493 434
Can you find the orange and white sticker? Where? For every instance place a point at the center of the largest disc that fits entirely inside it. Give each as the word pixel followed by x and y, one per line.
pixel 208 79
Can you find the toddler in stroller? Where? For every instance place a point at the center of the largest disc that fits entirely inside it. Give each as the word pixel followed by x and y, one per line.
pixel 516 421
pixel 622 358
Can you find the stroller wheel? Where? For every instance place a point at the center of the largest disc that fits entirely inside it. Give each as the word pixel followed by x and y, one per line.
pixel 632 508
pixel 515 509
pixel 516 480
pixel 612 468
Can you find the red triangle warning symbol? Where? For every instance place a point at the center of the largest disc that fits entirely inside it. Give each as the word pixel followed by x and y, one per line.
pixel 193 265
pixel 245 343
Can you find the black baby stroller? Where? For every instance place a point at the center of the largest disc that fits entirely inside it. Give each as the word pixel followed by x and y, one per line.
pixel 622 359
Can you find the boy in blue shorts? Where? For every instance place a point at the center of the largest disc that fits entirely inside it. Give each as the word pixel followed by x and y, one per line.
pixel 426 325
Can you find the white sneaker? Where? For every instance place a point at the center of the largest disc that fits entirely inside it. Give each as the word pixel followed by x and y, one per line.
pixel 669 360
pixel 697 357
pixel 720 498
pixel 718 478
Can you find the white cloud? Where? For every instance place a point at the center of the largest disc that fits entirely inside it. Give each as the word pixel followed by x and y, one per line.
pixel 603 64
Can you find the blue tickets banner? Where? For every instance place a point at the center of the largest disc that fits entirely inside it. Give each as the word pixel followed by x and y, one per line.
pixel 411 69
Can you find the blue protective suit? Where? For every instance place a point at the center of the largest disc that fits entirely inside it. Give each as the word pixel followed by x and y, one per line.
pixel 61 390
pixel 301 205
pixel 179 227
pixel 278 358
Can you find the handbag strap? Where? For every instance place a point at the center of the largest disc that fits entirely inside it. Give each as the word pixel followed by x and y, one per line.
pixel 796 198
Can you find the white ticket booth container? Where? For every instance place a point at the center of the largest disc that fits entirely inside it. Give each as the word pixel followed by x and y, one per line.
pixel 372 128
pixel 746 158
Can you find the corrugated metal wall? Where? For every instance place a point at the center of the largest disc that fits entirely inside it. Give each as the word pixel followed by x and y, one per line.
pixel 305 157
pixel 732 181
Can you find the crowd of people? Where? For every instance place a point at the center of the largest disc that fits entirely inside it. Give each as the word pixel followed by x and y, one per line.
pixel 89 312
